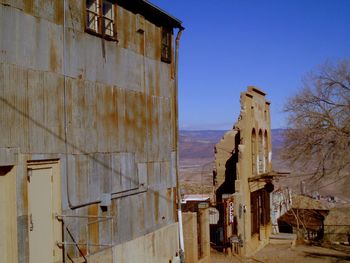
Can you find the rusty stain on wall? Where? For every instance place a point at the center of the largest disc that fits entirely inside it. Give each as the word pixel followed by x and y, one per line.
pixel 107 117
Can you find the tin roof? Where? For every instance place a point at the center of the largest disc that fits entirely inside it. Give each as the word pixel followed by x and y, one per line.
pixel 305 202
pixel 151 12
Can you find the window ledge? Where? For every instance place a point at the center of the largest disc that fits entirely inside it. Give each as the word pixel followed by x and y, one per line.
pixel 165 60
pixel 106 37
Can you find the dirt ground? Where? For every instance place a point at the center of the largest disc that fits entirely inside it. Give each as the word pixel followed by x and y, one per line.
pixel 285 253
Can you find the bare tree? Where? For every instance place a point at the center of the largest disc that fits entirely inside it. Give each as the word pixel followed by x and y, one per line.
pixel 318 138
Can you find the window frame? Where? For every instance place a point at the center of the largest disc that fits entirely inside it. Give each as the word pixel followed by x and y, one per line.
pixel 101 18
pixel 166 44
pixel 254 152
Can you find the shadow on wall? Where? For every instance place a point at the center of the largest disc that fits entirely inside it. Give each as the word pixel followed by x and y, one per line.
pixel 228 187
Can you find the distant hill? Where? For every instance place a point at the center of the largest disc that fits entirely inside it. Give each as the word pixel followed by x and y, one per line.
pixel 200 144
pixel 197 163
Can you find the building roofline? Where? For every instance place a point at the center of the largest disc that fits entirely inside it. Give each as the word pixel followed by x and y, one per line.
pixel 256 90
pixel 151 12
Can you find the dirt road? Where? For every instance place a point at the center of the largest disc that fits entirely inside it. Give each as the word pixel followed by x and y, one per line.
pixel 277 253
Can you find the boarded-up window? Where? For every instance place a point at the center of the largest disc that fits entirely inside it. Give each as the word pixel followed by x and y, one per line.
pixel 100 17
pixel 166 45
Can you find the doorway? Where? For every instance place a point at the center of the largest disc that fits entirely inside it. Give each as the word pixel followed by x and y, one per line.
pixel 8 214
pixel 44 203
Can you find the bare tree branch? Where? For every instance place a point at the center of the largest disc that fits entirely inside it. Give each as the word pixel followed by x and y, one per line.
pixel 318 138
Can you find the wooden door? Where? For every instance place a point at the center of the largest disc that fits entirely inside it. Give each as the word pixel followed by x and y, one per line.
pixel 40 207
pixel 44 203
pixel 8 215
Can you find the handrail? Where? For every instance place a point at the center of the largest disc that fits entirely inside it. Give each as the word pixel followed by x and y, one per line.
pixel 76 244
pixel 96 220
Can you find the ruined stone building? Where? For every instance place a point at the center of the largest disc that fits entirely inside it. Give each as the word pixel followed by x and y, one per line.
pixel 242 178
pixel 88 145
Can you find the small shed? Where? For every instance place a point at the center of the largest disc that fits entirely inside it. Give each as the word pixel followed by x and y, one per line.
pixel 306 214
pixel 190 203
pixel 195 215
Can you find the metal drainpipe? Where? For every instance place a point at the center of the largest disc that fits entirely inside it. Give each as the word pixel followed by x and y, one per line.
pixel 179 212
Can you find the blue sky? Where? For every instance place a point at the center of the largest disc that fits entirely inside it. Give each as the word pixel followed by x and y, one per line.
pixel 230 44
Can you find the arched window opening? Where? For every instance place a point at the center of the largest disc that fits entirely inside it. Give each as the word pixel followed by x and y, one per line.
pixel 254 156
pixel 266 153
pixel 260 153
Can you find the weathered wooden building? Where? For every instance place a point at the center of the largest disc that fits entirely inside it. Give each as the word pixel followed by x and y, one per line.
pixel 243 178
pixel 88 145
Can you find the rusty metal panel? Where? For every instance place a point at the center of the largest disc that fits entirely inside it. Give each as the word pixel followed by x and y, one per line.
pixel 90 116
pixel 152 77
pixel 164 129
pixel 104 173
pixel 53 112
pixel 36 111
pixel 168 127
pixel 127 34
pixel 154 175
pixel 14 106
pixel 161 133
pixel 121 110
pixel 139 214
pixel 75 116
pixel 166 206
pixel 173 121
pixel 153 41
pixel 172 175
pixel 165 81
pixel 106 118
pixel 73 58
pixel 102 61
pixel 96 176
pixel 140 127
pixel 134 71
pixel 130 104
pixel 8 114
pixel 75 15
pixel 123 172
pixel 19 4
pixel 18 83
pixel 164 173
pixel 36 43
pixel 142 173
pixel 98 172
pixel 124 222
pixel 153 128
pixel 51 10
pixel 128 171
pixel 150 210
pixel 113 120
pixel 116 183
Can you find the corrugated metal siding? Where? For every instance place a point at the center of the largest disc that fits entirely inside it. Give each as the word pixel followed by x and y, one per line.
pixel 28 41
pixel 119 106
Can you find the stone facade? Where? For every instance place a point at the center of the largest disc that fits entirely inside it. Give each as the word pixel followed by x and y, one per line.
pixel 243 174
